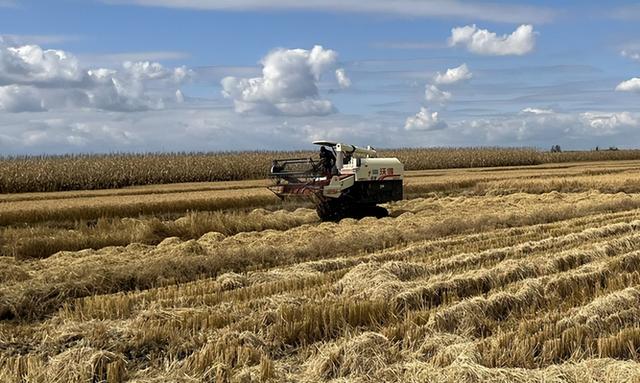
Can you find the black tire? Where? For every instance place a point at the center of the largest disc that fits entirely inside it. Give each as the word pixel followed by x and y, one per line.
pixel 361 211
pixel 331 210
pixel 334 210
pixel 379 211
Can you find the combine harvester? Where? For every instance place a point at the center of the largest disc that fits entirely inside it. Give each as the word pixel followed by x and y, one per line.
pixel 347 181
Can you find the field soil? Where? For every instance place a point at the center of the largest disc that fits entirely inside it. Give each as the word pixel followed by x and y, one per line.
pixel 507 274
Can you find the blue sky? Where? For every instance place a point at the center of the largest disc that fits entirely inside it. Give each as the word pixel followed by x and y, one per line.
pixel 165 75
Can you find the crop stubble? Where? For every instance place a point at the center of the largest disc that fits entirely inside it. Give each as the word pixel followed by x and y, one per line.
pixel 508 281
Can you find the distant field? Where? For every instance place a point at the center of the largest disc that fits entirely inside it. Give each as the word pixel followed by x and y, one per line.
pixel 90 172
pixel 502 274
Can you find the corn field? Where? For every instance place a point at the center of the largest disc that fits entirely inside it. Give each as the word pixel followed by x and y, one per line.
pixel 528 274
pixel 90 172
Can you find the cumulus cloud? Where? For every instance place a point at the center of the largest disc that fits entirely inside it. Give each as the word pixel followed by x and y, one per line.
pixel 425 120
pixel 632 85
pixel 609 122
pixel 19 98
pixel 129 88
pixel 211 126
pixel 288 85
pixel 145 70
pixel 484 42
pixel 433 93
pixel 453 75
pixel 586 129
pixel 207 126
pixel 30 64
pixel 342 78
pixel 34 78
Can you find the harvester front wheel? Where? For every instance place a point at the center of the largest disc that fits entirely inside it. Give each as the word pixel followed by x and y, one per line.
pixel 331 210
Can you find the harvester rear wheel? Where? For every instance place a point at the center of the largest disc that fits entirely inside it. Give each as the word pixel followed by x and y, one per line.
pixel 361 211
pixel 336 209
pixel 379 211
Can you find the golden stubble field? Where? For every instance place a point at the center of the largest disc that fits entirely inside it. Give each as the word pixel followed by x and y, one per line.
pixel 528 274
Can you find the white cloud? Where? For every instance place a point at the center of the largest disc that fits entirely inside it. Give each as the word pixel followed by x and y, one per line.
pixel 307 107
pixel 60 135
pixel 120 57
pixel 537 111
pixel 145 70
pixel 633 55
pixel 425 120
pixel 453 75
pixel 30 64
pixel 38 79
pixel 289 84
pixel 179 97
pixel 343 80
pixel 631 85
pixel 484 42
pixel 586 129
pixel 15 40
pixel 609 122
pixel 453 9
pixel 194 126
pixel 207 125
pixel 20 98
pixel 432 93
pixel 136 86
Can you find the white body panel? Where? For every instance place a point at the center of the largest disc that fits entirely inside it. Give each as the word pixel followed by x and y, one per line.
pixel 351 151
pixel 374 169
pixel 337 185
pixel 358 165
pixel 356 151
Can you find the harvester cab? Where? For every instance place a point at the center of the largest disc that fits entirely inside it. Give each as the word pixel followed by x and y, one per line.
pixel 349 182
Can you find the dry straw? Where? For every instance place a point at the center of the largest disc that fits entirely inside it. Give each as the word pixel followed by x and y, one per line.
pixel 516 288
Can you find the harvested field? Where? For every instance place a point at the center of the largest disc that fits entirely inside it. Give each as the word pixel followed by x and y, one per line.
pixel 527 274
